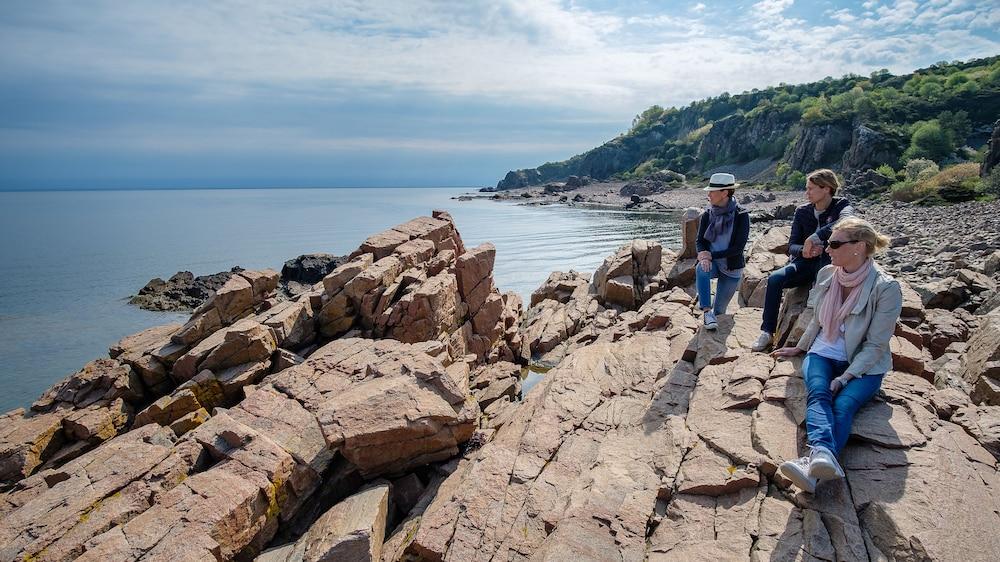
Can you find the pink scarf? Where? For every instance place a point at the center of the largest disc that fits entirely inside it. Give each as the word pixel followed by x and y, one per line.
pixel 835 308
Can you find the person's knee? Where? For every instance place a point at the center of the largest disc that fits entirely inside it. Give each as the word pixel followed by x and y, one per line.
pixel 845 405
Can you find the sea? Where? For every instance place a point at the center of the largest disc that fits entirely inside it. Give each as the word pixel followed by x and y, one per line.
pixel 69 260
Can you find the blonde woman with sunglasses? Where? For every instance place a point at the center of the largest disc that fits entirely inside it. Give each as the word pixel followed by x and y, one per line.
pixel 855 308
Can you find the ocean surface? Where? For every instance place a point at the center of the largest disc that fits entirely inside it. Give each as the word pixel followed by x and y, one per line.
pixel 69 260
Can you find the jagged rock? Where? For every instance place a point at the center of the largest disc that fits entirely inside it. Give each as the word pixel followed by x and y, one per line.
pixel 560 481
pixel 100 381
pixel 183 291
pixel 983 351
pixel 351 530
pixel 27 441
pixel 753 284
pixel 386 405
pixel 57 513
pixel 234 300
pixel 246 341
pixel 986 390
pixel 309 269
pixel 773 241
pixel 945 293
pixel 982 423
pixel 993 154
pixel 291 323
pixel 929 501
pixel 560 287
pixel 942 329
pixel 869 148
pixel 169 409
pixel 624 278
pixel 136 345
pixel 98 423
pixel 284 359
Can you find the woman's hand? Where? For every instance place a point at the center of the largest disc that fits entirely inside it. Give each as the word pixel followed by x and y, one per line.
pixel 786 352
pixel 705 260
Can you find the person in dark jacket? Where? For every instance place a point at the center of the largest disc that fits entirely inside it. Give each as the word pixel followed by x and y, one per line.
pixel 723 232
pixel 811 228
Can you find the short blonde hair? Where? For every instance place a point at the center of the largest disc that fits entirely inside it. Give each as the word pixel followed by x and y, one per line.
pixel 825 178
pixel 860 229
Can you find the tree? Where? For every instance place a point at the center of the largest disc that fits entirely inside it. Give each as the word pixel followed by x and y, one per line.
pixel 956 125
pixel 929 140
pixel 647 118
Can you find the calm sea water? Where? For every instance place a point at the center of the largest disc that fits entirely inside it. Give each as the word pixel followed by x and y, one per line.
pixel 70 260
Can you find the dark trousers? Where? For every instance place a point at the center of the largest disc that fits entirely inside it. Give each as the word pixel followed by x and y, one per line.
pixel 796 274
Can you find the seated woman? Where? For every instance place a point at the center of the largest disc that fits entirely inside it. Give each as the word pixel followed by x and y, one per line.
pixel 856 306
pixel 722 235
pixel 811 227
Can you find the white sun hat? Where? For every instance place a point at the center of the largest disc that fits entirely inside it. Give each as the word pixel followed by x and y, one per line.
pixel 721 181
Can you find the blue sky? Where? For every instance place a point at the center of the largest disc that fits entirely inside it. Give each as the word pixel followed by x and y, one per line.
pixel 141 94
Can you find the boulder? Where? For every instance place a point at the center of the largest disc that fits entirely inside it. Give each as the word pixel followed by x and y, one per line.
pixel 309 269
pixel 351 530
pixel 26 441
pixel 246 341
pixel 386 405
pixel 291 323
pixel 774 241
pixel 560 287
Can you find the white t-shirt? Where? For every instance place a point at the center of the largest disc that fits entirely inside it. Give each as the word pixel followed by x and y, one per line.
pixel 836 350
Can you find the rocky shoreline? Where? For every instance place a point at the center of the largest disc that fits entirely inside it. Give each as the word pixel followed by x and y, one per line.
pixel 378 415
pixel 184 292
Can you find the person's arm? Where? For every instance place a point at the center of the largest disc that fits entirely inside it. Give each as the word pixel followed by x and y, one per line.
pixel 738 242
pixel 823 234
pixel 797 238
pixel 880 330
pixel 700 242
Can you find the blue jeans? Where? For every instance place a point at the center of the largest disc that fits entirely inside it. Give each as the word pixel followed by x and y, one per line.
pixel 828 417
pixel 796 274
pixel 724 290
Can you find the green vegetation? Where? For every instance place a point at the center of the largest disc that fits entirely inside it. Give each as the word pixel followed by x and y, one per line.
pixel 928 184
pixel 929 114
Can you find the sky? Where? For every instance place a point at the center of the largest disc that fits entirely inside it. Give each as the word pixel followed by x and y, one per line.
pixel 308 93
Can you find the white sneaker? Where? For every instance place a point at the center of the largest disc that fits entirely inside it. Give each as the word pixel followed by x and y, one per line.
pixel 710 321
pixel 798 472
pixel 823 464
pixel 763 340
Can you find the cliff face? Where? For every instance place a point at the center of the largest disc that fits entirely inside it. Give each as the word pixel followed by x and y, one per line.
pixel 738 139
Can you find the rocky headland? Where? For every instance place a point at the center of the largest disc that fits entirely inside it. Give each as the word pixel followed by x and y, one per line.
pixel 378 415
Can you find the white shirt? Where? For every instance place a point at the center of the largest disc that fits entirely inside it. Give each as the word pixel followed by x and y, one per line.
pixel 836 350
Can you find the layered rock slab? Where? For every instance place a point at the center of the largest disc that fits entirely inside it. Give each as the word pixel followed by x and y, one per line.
pixel 579 467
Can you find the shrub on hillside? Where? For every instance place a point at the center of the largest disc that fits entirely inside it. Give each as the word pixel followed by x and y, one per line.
pixel 796 180
pixel 929 140
pixel 919 165
pixel 959 183
pixel 886 170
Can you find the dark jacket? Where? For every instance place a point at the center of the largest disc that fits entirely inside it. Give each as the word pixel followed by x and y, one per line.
pixel 805 225
pixel 737 242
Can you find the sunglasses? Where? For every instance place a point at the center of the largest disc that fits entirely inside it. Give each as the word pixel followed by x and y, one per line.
pixel 838 243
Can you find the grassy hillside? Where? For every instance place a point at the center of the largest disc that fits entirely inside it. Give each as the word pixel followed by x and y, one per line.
pixel 848 123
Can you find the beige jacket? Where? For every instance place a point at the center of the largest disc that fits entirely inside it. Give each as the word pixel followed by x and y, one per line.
pixel 868 328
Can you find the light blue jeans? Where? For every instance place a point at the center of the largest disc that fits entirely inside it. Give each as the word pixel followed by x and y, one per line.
pixel 724 290
pixel 829 417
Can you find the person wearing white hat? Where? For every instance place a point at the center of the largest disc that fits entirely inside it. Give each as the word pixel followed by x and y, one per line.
pixel 723 232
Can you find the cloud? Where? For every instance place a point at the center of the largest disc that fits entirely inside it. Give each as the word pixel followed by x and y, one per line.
pixel 231 73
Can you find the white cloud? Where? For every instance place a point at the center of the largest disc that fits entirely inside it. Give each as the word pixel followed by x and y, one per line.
pixel 697 8
pixel 505 52
pixel 843 16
